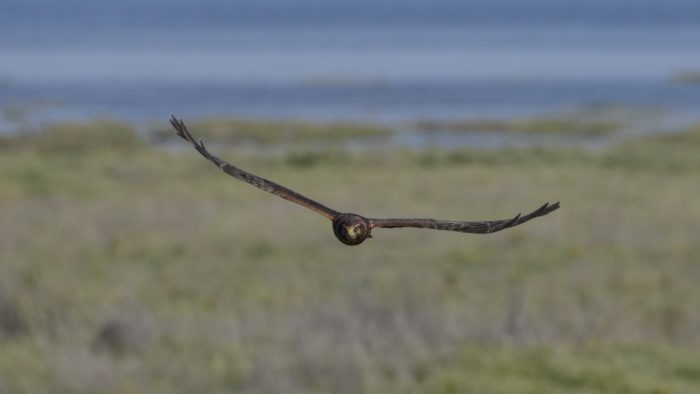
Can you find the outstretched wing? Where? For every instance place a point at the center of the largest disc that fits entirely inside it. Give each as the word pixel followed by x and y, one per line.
pixel 261 183
pixel 485 227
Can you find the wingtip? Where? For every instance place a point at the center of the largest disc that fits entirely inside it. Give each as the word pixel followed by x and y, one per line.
pixel 553 207
pixel 180 128
pixel 175 121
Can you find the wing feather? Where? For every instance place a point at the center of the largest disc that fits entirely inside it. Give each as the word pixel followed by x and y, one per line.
pixel 478 227
pixel 260 183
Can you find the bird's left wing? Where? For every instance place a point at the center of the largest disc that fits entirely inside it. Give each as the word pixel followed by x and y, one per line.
pixel 484 227
pixel 260 183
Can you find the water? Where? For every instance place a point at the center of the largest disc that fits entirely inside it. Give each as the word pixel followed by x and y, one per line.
pixel 379 60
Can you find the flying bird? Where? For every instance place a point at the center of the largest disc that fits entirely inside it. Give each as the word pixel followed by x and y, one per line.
pixel 351 228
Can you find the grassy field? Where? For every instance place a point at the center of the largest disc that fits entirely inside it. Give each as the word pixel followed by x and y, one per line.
pixel 127 268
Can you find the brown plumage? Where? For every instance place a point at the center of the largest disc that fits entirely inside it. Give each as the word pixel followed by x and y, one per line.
pixel 350 228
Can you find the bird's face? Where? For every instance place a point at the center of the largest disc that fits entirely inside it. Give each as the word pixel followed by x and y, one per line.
pixel 351 229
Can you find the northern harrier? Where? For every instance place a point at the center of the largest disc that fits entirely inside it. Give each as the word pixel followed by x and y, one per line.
pixel 350 228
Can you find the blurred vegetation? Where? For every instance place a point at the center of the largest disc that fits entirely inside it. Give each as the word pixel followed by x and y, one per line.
pixel 128 268
pixel 67 138
pixel 276 131
pixel 561 124
pixel 686 78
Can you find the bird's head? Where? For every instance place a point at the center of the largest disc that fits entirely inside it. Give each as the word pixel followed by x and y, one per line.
pixel 351 229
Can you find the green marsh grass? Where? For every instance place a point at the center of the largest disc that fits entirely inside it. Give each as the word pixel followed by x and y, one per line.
pixel 554 125
pixel 260 131
pixel 127 268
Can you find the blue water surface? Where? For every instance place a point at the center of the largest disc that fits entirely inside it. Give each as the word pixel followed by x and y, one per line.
pixel 332 59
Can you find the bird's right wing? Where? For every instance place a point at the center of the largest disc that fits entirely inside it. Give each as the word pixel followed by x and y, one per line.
pixel 260 183
pixel 484 227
